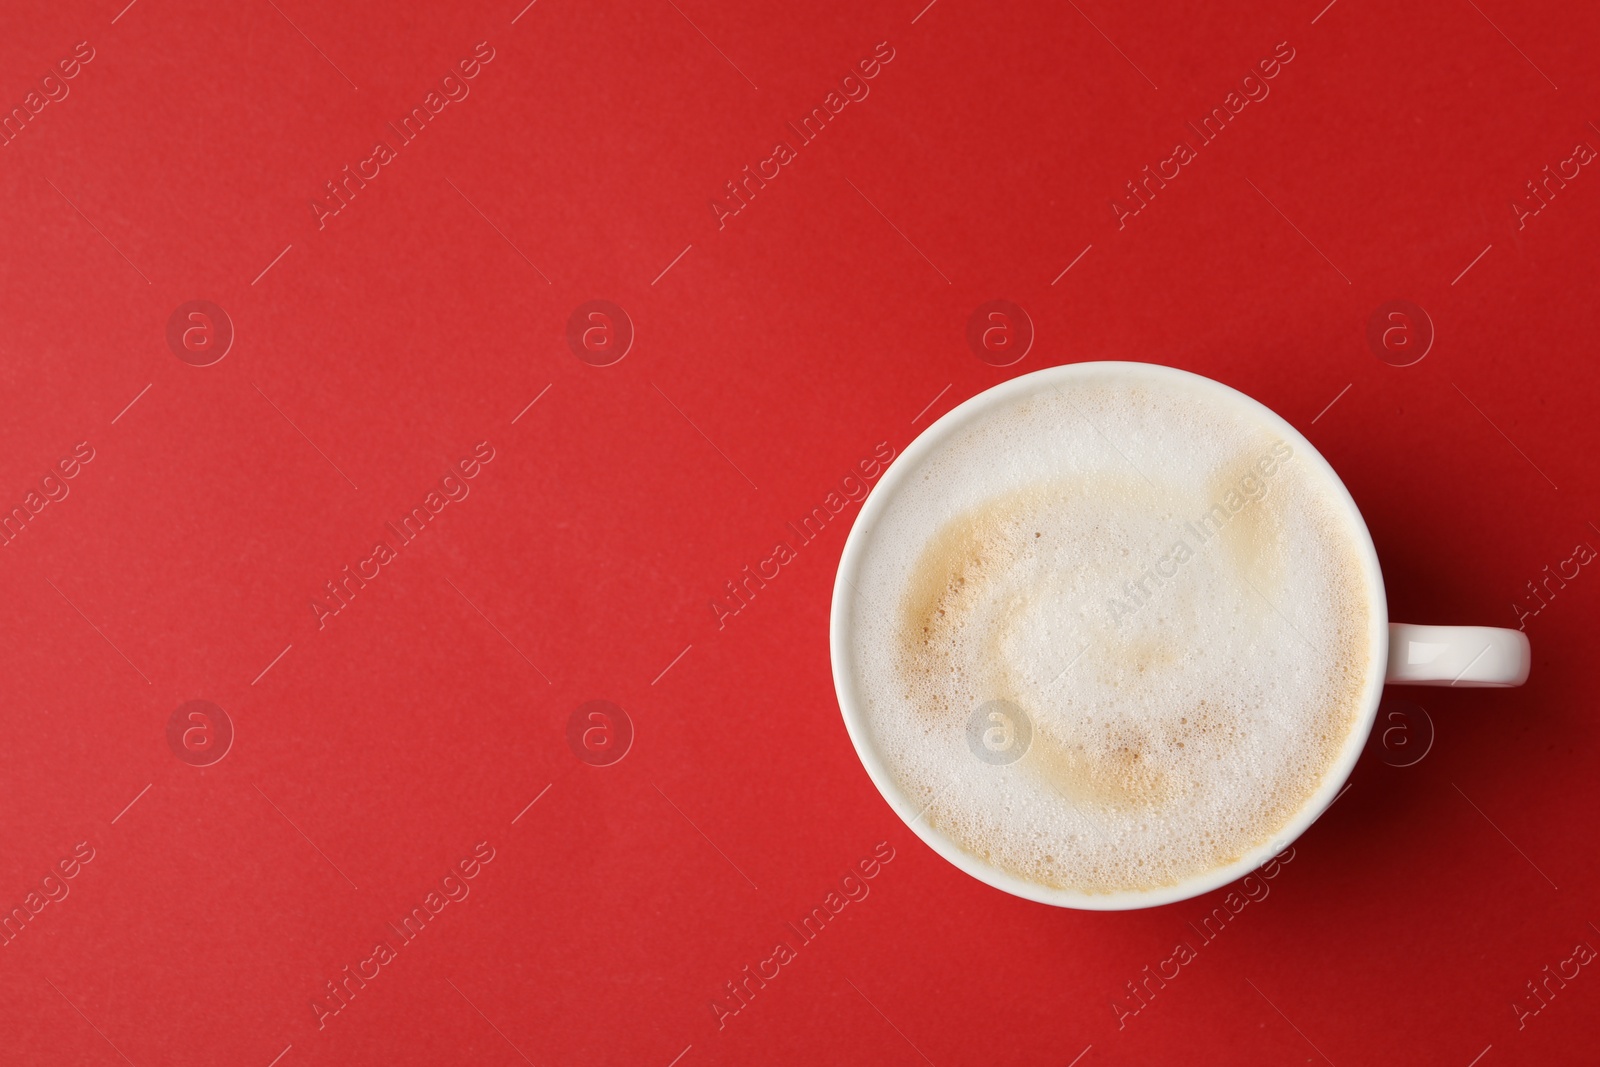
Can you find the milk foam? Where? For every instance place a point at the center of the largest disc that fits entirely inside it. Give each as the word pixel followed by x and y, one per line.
pixel 1172 595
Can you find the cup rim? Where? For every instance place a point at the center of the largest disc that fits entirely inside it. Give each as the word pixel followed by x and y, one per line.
pixel 840 656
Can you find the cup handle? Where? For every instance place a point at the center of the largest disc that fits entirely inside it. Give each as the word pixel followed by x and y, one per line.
pixel 1461 656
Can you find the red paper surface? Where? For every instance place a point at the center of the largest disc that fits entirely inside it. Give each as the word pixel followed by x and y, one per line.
pixel 772 348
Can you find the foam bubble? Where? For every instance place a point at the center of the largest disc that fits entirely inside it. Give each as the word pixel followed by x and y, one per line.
pixel 1173 597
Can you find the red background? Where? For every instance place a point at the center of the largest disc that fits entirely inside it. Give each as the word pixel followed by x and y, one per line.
pixel 822 319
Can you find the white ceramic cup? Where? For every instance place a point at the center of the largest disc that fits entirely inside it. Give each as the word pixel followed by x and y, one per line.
pixel 1399 653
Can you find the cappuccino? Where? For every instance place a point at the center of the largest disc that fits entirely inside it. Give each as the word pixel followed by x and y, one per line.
pixel 1111 635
